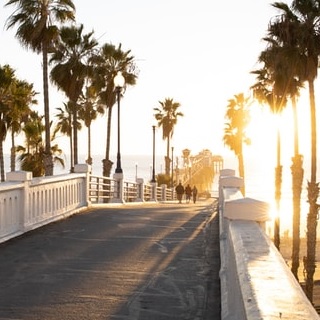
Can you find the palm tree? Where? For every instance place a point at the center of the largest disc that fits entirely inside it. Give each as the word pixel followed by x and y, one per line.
pixel 70 58
pixel 88 112
pixel 36 31
pixel 305 25
pixel 167 117
pixel 32 155
pixel 108 62
pixel 23 96
pixel 16 96
pixel 7 78
pixel 268 90
pixel 238 118
pixel 285 64
pixel 64 125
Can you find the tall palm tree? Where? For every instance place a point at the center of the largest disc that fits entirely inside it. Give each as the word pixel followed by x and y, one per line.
pixel 289 72
pixel 36 30
pixel 268 91
pixel 238 118
pixel 88 112
pixel 71 68
pixel 23 96
pixel 16 97
pixel 167 117
pixel 304 16
pixel 7 78
pixel 109 60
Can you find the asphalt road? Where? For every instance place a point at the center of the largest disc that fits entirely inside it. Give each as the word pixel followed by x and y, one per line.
pixel 149 261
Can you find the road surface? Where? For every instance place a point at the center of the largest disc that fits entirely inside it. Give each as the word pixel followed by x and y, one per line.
pixel 140 261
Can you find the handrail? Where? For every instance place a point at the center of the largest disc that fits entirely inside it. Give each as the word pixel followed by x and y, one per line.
pixel 106 190
pixel 256 282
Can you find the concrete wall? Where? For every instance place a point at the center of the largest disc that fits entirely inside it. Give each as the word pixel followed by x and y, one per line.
pixel 256 283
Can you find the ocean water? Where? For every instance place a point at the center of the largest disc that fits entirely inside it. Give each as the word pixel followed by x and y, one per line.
pixel 132 165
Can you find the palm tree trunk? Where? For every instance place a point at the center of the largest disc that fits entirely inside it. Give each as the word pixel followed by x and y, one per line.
pixel 278 182
pixel 2 160
pixel 75 134
pixel 48 161
pixel 12 153
pixel 89 160
pixel 71 150
pixel 313 192
pixel 297 179
pixel 107 163
pixel 167 158
pixel 241 171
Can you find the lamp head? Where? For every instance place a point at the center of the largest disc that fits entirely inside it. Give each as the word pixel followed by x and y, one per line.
pixel 119 80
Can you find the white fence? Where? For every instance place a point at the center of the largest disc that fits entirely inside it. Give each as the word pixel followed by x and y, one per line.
pixel 27 203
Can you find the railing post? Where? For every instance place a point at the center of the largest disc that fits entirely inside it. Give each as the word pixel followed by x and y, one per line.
pixel 25 177
pixel 163 192
pixel 140 193
pixel 118 177
pixel 85 168
pixel 153 191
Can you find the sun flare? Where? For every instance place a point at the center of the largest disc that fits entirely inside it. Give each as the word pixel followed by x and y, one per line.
pixel 261 161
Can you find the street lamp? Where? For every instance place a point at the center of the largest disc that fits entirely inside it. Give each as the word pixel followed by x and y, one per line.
pixel 171 167
pixel 136 171
pixel 153 154
pixel 118 83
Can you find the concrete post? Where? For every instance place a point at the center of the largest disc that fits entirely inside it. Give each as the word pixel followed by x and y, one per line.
pixel 153 191
pixel 163 192
pixel 140 187
pixel 85 168
pixel 25 177
pixel 228 182
pixel 118 177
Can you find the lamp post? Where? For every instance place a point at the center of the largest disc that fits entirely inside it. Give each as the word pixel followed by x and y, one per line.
pixel 136 171
pixel 118 83
pixel 171 167
pixel 153 179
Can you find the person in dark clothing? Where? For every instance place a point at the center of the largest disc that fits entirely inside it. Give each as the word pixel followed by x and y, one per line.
pixel 179 191
pixel 188 192
pixel 194 194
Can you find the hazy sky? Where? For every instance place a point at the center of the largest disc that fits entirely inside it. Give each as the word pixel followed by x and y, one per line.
pixel 200 53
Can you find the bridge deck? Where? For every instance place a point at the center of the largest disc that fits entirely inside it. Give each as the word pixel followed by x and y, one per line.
pixel 146 261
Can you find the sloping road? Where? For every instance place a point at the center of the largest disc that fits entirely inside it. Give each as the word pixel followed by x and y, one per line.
pixel 149 261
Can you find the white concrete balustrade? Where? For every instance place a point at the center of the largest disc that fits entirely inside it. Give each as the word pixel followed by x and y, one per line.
pixel 256 283
pixel 27 203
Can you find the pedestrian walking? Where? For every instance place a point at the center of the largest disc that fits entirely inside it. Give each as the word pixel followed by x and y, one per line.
pixel 194 194
pixel 179 191
pixel 188 192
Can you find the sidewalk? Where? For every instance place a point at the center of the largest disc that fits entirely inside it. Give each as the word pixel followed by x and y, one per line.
pixel 149 261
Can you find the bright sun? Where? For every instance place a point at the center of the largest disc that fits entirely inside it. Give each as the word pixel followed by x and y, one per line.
pixel 261 157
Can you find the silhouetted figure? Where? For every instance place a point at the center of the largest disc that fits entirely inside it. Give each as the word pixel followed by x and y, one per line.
pixel 179 191
pixel 194 194
pixel 188 192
